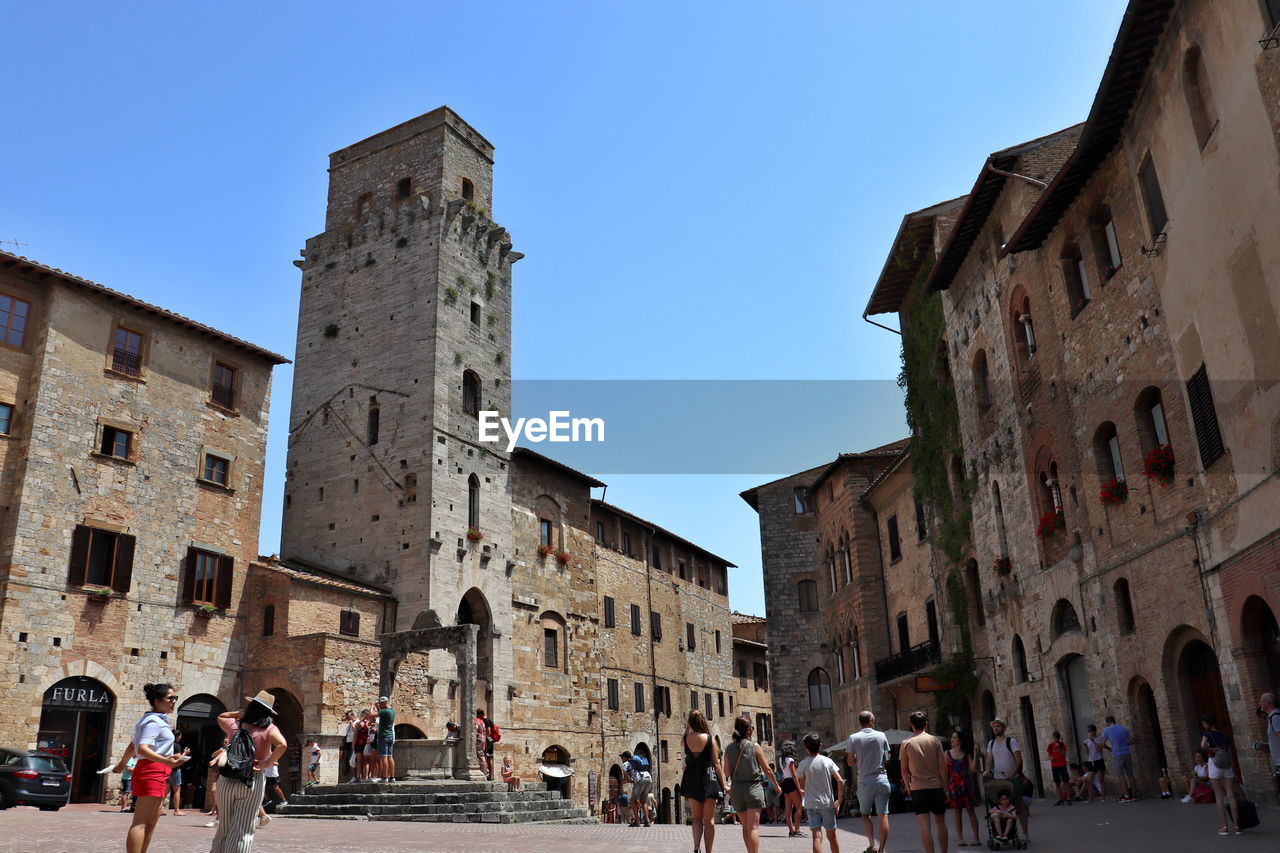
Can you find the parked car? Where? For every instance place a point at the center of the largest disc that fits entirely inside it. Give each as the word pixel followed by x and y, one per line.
pixel 33 779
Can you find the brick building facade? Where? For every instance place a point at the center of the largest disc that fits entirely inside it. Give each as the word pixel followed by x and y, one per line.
pixel 1087 339
pixel 131 455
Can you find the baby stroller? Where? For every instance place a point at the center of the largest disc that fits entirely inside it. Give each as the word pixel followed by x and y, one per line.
pixel 991 791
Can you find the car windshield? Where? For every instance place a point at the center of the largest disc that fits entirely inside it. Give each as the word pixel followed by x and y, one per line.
pixel 46 764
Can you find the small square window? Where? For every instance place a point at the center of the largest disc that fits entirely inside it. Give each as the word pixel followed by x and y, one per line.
pixel 6 418
pixel 13 319
pixel 216 469
pixel 115 442
pixel 349 623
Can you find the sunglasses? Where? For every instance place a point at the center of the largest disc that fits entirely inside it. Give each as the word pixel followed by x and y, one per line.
pixel 173 698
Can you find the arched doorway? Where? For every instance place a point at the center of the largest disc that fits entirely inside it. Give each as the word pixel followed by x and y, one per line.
pixel 289 721
pixel 642 748
pixel 75 723
pixel 1079 699
pixel 1200 683
pixel 1261 651
pixel 1031 745
pixel 473 609
pixel 615 788
pixel 408 731
pixel 1149 751
pixel 198 722
pixel 555 770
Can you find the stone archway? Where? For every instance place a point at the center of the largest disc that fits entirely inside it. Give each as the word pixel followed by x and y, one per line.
pixel 1194 687
pixel 1149 750
pixel 428 634
pixel 1261 646
pixel 473 609
pixel 75 724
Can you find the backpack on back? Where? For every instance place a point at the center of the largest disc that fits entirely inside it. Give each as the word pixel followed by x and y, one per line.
pixel 495 734
pixel 239 758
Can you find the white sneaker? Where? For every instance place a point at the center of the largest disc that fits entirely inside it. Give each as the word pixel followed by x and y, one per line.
pixel 212 823
pixel 284 802
pixel 1187 799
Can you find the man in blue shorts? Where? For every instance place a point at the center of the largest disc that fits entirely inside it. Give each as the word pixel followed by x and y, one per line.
pixel 867 751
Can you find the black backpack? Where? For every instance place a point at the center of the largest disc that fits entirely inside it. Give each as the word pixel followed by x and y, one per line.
pixel 239 763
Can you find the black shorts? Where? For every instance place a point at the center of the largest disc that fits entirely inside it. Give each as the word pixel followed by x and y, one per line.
pixel 788 786
pixel 1098 766
pixel 1060 774
pixel 929 801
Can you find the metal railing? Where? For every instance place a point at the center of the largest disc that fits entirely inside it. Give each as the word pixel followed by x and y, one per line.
pixel 224 396
pixel 912 660
pixel 123 361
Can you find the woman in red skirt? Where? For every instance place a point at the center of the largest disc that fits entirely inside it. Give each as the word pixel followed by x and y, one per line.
pixel 153 744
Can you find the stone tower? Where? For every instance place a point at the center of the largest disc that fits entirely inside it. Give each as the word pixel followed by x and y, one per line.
pixel 404 333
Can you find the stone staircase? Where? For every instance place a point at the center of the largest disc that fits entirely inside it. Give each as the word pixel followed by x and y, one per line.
pixel 437 801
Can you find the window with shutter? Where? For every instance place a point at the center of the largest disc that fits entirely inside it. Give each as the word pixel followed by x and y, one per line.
pixel 635 619
pixel 1205 417
pixel 79 555
pixel 613 694
pixel 1154 198
pixel 122 572
pixel 655 624
pixel 349 623
pixel 610 617
pixel 639 689
pixel 207 579
pixel 551 648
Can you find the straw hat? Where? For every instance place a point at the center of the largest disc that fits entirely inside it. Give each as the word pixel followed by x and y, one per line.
pixel 263 698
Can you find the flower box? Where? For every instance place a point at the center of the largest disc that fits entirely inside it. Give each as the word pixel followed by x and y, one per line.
pixel 474 535
pixel 544 550
pixel 1114 492
pixel 1050 523
pixel 100 595
pixel 204 610
pixel 1159 464
pixel 562 557
pixel 1003 566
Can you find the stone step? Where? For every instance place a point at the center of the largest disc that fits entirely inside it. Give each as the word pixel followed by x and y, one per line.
pixel 577 817
pixel 424 787
pixel 299 807
pixel 398 797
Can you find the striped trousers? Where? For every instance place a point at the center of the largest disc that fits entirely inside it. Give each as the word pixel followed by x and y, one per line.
pixel 237 814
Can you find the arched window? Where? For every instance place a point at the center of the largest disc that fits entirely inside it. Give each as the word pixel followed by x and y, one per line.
pixel 473 501
pixel 1195 85
pixel 819 690
pixel 269 620
pixel 841 673
pixel 471 393
pixel 1021 327
pixel 1106 453
pixel 372 428
pixel 1065 620
pixel 555 650
pixel 1020 672
pixel 848 563
pixel 831 570
pixel 1148 412
pixel 981 381
pixel 808 592
pixel 468 189
pixel 1124 606
pixel 1077 277
pixel 855 655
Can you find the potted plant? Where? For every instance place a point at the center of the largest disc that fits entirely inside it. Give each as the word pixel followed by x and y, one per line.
pixel 1159 464
pixel 474 535
pixel 204 610
pixel 1049 524
pixel 1003 566
pixel 544 550
pixel 562 557
pixel 1114 492
pixel 100 595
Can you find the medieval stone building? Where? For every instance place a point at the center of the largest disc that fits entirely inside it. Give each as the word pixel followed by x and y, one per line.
pixel 131 452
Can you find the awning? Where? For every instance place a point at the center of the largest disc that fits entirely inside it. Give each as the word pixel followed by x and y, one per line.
pixel 556 771
pixel 201 706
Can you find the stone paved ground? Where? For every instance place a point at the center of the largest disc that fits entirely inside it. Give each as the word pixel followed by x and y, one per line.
pixel 1168 827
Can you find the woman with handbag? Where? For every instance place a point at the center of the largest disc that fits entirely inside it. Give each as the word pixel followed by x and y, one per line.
pixel 748 769
pixel 1221 774
pixel 703 782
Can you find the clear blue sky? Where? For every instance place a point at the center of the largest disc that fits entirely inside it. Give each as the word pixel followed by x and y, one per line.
pixel 702 190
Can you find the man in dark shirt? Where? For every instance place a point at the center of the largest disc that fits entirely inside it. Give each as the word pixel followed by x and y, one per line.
pixel 386 739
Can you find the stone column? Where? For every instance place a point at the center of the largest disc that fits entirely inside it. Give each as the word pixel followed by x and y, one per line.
pixel 464 652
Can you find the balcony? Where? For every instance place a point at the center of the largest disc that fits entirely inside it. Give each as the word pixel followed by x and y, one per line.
pixel 912 660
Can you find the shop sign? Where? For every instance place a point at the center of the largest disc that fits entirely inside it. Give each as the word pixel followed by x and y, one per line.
pixel 74 696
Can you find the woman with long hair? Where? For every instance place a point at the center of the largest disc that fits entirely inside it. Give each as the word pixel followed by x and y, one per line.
pixel 153 743
pixel 703 782
pixel 1222 774
pixel 238 800
pixel 747 768
pixel 962 786
pixel 791 805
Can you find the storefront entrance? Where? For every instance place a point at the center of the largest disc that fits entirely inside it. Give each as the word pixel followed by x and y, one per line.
pixel 75 723
pixel 198 722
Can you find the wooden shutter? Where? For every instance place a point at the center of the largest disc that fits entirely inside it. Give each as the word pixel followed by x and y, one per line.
pixel 655 619
pixel 122 572
pixel 223 591
pixel 189 577
pixel 1205 417
pixel 79 555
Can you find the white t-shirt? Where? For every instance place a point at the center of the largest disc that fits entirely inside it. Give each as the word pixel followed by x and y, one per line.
pixel 788 767
pixel 816 772
pixel 1273 735
pixel 1093 750
pixel 315 754
pixel 1002 756
pixel 153 731
pixel 351 732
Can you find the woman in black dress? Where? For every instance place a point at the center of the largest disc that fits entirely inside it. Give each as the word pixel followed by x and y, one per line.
pixel 703 782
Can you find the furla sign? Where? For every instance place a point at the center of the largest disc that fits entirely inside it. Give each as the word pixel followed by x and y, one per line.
pixel 78 694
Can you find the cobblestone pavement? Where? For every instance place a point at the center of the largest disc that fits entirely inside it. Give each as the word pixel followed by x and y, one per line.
pixel 1168 827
